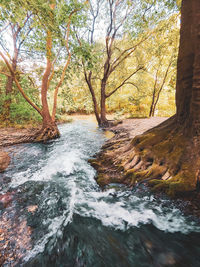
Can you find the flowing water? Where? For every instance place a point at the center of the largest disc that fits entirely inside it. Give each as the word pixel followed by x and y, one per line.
pixel 57 215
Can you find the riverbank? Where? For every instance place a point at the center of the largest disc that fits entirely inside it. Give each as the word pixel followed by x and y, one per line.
pixel 113 168
pixel 106 162
pixel 15 135
pixel 12 134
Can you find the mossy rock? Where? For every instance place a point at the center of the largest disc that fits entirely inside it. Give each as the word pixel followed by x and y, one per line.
pixel 179 184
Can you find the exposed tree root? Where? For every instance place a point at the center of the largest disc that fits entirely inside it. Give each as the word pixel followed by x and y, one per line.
pixel 47 133
pixel 162 158
pixel 10 137
pixel 109 123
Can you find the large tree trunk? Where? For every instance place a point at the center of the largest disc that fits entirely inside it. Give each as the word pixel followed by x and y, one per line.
pixel 185 63
pixel 188 75
pixel 195 99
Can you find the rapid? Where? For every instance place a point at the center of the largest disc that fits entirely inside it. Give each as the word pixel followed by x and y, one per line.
pixel 58 215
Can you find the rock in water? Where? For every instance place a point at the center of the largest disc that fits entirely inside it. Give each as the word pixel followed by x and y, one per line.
pixel 4 160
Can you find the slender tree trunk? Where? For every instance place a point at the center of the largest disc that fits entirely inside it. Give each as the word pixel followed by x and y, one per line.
pixel 154 92
pixel 9 86
pixel 151 113
pixel 49 127
pixel 45 108
pixel 95 105
pixel 104 121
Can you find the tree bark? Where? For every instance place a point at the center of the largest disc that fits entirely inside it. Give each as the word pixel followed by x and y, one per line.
pixel 154 95
pixel 185 63
pixel 9 85
pixel 194 118
pixel 104 121
pixel 49 127
pixel 95 105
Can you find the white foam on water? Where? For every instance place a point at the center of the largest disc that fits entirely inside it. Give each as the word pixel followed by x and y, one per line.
pixel 132 212
pixel 66 164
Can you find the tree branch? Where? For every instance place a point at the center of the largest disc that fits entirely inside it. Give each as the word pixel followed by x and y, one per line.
pixel 65 67
pixel 6 74
pixel 5 27
pixel 19 86
pixel 123 55
pixel 124 82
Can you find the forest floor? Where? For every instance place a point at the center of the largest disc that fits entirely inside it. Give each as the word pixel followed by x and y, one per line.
pixel 136 126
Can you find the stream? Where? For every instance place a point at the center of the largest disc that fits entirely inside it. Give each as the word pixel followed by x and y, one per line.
pixel 56 214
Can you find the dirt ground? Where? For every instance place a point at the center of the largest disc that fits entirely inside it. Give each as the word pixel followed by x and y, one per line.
pixel 134 127
pixel 12 136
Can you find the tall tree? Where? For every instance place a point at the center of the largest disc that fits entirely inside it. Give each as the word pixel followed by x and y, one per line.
pixel 167 157
pixel 50 36
pixel 141 14
pixel 173 147
pixel 18 32
pixel 113 57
